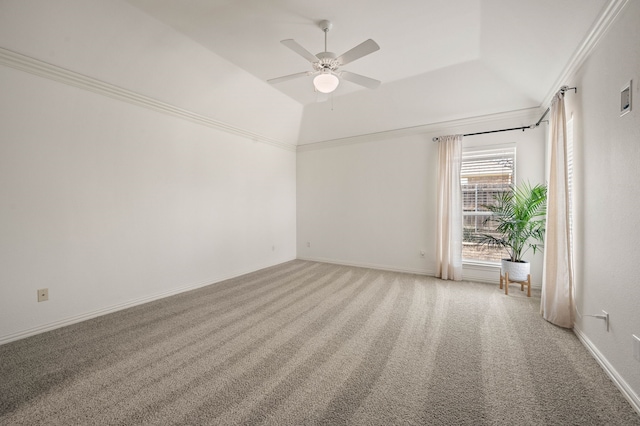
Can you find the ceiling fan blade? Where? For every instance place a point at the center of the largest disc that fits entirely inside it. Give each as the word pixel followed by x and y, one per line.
pixel 293 45
pixel 367 82
pixel 358 52
pixel 289 77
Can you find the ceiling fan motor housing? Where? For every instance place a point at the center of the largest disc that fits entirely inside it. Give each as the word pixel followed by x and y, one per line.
pixel 327 61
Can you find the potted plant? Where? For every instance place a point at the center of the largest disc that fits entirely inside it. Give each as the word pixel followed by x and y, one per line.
pixel 519 215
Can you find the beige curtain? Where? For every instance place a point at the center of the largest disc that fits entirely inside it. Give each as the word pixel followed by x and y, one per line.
pixel 449 209
pixel 556 305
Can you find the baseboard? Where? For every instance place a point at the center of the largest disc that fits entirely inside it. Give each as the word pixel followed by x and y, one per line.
pixel 370 266
pixel 467 268
pixel 128 304
pixel 626 390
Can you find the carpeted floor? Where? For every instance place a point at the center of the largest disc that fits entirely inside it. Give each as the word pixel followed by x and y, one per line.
pixel 311 343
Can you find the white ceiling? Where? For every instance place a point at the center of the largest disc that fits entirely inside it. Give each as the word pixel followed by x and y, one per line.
pixel 515 49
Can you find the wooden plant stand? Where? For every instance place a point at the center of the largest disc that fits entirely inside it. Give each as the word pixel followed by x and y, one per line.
pixel 504 280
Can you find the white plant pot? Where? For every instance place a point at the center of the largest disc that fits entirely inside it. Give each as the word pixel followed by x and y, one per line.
pixel 518 271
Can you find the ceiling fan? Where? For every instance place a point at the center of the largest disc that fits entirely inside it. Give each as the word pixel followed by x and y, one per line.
pixel 326 66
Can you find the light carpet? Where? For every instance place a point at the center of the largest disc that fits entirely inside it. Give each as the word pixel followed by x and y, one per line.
pixel 312 343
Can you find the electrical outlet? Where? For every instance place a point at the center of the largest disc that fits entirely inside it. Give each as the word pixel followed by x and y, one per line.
pixel 43 294
pixel 636 347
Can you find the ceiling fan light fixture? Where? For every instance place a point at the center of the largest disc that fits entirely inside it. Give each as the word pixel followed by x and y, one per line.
pixel 326 65
pixel 326 82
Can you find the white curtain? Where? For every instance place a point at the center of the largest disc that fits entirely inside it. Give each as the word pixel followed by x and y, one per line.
pixel 557 282
pixel 449 209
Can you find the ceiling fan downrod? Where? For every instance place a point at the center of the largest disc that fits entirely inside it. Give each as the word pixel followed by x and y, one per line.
pixel 326 27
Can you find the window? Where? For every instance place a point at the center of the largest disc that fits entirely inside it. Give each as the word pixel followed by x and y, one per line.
pixel 484 173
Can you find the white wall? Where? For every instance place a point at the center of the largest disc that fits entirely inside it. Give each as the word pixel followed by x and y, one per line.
pixel 607 201
pixel 108 203
pixel 368 203
pixel 371 202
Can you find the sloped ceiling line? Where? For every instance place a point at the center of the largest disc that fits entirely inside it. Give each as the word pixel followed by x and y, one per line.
pixel 40 68
pixel 599 29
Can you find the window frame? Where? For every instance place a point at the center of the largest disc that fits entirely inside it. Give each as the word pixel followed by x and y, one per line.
pixel 509 151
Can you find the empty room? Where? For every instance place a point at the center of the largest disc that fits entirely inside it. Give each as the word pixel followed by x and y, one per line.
pixel 342 212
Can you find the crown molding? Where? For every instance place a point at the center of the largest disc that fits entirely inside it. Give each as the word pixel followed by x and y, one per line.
pixel 449 126
pixel 43 69
pixel 40 68
pixel 609 13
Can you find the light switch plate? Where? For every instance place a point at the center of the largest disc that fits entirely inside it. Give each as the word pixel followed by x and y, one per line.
pixel 625 99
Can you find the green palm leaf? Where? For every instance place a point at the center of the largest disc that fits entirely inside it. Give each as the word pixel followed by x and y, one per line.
pixel 520 217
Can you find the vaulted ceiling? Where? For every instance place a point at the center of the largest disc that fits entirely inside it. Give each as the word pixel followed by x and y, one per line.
pixel 438 59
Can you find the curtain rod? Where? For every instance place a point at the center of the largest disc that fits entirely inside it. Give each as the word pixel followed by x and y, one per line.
pixel 562 90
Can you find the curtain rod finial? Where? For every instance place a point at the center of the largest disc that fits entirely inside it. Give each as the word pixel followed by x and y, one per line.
pixel 564 89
